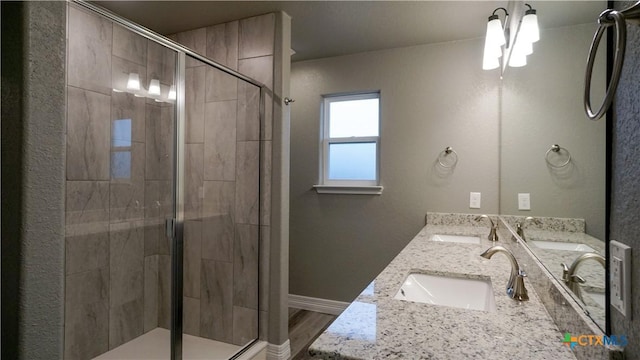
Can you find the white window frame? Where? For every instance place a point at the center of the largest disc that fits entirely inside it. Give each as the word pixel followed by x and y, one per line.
pixel 346 186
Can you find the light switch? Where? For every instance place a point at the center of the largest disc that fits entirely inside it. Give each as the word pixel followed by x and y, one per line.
pixel 620 276
pixel 524 201
pixel 474 200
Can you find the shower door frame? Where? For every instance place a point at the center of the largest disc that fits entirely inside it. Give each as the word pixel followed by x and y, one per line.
pixel 175 226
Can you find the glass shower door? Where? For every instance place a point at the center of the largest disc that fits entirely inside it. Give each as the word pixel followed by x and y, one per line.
pixel 162 210
pixel 121 145
pixel 221 205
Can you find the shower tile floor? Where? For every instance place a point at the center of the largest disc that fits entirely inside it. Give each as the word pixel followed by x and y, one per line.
pixel 155 345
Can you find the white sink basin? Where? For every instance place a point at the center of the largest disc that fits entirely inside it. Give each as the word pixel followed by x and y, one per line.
pixel 475 294
pixel 456 239
pixel 559 245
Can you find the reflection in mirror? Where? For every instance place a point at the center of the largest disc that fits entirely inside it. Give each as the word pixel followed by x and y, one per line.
pixel 556 200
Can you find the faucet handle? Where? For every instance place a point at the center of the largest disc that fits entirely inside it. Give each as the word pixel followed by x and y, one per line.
pixel 484 216
pixel 522 273
pixel 565 272
pixel 577 279
pixel 519 290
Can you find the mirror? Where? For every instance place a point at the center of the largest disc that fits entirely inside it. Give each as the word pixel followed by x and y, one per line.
pixel 563 186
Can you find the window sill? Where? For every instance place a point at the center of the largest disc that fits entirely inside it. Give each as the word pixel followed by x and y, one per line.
pixel 348 189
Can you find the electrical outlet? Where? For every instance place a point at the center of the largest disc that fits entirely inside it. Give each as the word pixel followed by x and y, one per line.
pixel 620 276
pixel 524 201
pixel 474 200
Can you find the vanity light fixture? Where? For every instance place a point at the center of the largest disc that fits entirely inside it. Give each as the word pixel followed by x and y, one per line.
pixel 134 82
pixel 497 37
pixel 494 40
pixel 529 30
pixel 154 87
pixel 172 93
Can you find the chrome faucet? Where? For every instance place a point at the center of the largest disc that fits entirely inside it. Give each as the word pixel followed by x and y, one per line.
pixel 520 226
pixel 493 235
pixel 572 280
pixel 515 286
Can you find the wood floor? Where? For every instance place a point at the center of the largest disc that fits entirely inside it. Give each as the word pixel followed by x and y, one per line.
pixel 304 327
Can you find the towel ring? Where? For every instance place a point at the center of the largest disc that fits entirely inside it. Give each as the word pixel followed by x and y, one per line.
pixel 608 18
pixel 555 148
pixel 448 151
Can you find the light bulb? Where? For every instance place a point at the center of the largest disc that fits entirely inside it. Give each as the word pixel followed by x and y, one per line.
pixel 134 82
pixel 154 87
pixel 172 93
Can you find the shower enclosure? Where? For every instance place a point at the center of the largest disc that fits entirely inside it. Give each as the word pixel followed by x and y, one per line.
pixel 162 197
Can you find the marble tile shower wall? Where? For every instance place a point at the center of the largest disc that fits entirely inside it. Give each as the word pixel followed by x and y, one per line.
pixel 224 143
pixel 119 186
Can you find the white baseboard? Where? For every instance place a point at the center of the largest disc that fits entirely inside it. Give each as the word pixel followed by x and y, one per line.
pixel 279 352
pixel 317 304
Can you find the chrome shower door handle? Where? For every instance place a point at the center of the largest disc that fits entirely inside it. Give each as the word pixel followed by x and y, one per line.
pixel 170 227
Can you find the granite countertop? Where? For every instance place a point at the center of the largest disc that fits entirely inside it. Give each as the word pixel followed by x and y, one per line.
pixel 377 326
pixel 591 271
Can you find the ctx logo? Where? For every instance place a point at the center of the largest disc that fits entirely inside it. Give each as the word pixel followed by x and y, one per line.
pixel 594 340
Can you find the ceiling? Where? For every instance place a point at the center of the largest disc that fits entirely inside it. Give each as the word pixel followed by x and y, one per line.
pixel 330 28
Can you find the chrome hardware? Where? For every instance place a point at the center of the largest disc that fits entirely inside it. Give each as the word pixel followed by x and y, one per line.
pixel 288 101
pixel 520 226
pixel 515 286
pixel 446 152
pixel 555 148
pixel 170 227
pixel 493 234
pixel 608 18
pixel 574 281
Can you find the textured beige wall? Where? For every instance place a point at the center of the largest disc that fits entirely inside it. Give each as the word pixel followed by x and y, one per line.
pixel 542 105
pixel 432 96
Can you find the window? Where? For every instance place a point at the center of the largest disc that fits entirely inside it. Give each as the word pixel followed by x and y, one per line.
pixel 121 149
pixel 350 144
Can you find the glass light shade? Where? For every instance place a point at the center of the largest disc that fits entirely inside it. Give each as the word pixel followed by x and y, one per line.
pixel 172 93
pixel 490 62
pixel 527 47
pixel 529 29
pixel 517 58
pixel 134 82
pixel 154 87
pixel 495 34
pixel 491 55
pixel 492 50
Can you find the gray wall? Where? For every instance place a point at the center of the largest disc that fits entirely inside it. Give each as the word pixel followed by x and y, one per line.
pixel 625 201
pixel 33 119
pixel 432 96
pixel 542 105
pixel 435 96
